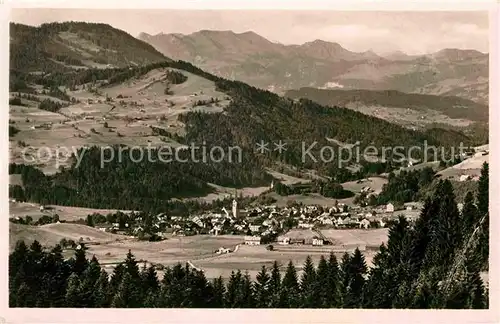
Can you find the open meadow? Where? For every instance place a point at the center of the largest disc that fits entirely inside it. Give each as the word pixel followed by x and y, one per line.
pixel 117 114
pixel 66 213
pixel 199 251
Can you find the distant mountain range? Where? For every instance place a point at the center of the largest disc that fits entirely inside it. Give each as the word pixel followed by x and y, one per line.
pixel 426 106
pixel 252 58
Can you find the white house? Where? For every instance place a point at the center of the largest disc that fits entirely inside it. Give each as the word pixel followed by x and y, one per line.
pixel 327 221
pixel 284 240
pixel 464 177
pixel 254 228
pixel 305 225
pixel 317 241
pixel 252 240
pixel 222 250
pixel 364 224
pixel 389 208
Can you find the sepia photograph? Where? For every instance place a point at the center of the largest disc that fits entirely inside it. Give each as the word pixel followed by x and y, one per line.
pixel 281 159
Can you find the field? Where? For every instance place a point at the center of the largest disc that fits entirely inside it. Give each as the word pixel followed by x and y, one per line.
pixel 19 209
pixel 198 251
pixel 286 179
pixel 471 167
pixel 310 199
pixel 252 258
pixel 224 192
pixel 129 110
pixel 51 234
pixel 406 117
pixel 375 183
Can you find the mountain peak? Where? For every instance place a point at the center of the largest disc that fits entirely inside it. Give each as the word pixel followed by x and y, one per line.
pixel 144 36
pixel 320 42
pixel 455 54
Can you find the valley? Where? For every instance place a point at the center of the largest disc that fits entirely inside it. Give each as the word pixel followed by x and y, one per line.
pixel 94 111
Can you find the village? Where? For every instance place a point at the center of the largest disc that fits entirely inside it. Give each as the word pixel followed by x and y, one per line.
pixel 265 224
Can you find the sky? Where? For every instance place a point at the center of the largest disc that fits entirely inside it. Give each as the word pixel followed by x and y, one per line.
pixel 383 32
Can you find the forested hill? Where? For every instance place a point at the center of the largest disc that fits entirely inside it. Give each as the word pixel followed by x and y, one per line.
pixel 64 46
pixel 256 114
pixel 453 107
pixel 251 116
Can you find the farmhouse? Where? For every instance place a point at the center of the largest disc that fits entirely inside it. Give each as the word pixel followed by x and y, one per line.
pixel 254 228
pixel 464 177
pixel 317 241
pixel 389 208
pixel 284 240
pixel 305 225
pixel 364 224
pixel 327 221
pixel 253 240
pixel 297 241
pixel 222 250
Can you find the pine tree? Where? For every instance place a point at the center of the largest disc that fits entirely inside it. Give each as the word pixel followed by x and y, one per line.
pixel 334 283
pixel 131 267
pixel 322 284
pixel 80 261
pixel 308 285
pixel 479 294
pixel 483 190
pixel 275 285
pixel 469 214
pixel 24 296
pixel 424 296
pixel 247 294
pixel 290 280
pixel 19 261
pixel 57 273
pixel 116 278
pixel 174 287
pixel 89 280
pixel 123 296
pixel 445 229
pixel 262 293
pixel 151 300
pixel 289 296
pixel 421 236
pixel 233 295
pixel 345 276
pixel 149 279
pixel 219 291
pixel 397 242
pixel 101 292
pixel 357 270
pixel 18 257
pixel 376 294
pixel 74 292
pixel 483 208
pixel 200 291
pixel 36 250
